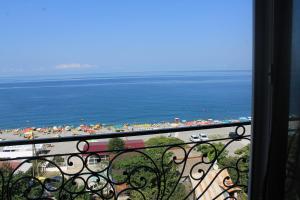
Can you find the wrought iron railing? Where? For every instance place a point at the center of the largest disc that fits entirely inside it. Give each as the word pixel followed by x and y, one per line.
pixel 161 168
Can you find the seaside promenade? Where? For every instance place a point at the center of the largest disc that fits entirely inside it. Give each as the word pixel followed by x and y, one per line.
pixel 70 147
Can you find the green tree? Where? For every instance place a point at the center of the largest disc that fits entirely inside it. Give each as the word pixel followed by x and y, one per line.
pixel 214 150
pixel 116 144
pixel 21 186
pixel 147 171
pixel 230 162
pixel 72 190
pixel 242 159
pixel 161 140
pixel 18 185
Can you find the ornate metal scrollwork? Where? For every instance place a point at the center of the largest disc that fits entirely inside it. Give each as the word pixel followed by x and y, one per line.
pixel 170 171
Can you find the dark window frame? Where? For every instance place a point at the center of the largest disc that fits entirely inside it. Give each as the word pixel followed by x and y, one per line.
pixel 271 68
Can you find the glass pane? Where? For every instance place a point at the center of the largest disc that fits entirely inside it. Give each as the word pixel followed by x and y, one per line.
pixel 77 73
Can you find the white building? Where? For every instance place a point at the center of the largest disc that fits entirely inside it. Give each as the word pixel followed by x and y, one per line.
pixel 20 151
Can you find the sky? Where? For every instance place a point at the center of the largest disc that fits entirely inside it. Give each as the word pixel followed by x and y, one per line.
pixel 97 36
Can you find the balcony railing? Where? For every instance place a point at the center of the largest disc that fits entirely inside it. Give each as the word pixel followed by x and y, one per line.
pixel 154 164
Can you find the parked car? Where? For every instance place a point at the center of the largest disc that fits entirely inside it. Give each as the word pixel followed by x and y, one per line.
pixel 203 137
pixel 195 138
pixel 233 135
pixel 53 183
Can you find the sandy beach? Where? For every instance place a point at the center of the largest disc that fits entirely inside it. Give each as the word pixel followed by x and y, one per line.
pixel 64 131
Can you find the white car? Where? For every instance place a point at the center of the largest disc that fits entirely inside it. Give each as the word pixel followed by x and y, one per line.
pixel 203 137
pixel 195 138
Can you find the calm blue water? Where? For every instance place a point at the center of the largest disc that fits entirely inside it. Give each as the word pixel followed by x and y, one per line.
pixel 121 99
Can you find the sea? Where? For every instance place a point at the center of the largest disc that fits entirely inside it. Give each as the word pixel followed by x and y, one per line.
pixel 119 98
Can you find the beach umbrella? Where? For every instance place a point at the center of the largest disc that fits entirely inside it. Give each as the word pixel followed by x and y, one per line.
pixel 28 134
pixel 174 125
pixel 97 126
pixel 91 131
pixel 27 130
pixel 54 128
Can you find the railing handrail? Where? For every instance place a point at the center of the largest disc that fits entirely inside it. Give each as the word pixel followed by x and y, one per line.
pixel 121 134
pixel 245 136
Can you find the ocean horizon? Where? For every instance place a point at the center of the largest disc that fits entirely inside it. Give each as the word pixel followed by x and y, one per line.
pixel 124 98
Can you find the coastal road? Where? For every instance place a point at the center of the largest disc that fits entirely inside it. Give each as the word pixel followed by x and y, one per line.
pixel 70 147
pixel 217 133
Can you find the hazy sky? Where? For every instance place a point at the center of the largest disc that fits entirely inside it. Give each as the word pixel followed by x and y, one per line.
pixel 87 36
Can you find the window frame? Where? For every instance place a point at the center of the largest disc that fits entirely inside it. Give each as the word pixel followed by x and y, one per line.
pixel 271 72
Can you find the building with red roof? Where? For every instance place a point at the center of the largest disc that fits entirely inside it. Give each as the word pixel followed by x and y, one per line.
pixel 17 165
pixel 101 149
